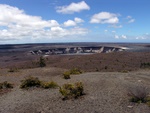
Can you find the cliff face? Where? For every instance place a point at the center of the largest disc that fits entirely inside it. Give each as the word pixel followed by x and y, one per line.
pixel 77 50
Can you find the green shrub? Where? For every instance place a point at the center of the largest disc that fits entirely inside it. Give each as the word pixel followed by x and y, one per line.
pixel 145 65
pixel 148 103
pixel 42 62
pixel 72 91
pixel 139 94
pixel 66 75
pixel 124 71
pixel 106 67
pixel 97 69
pixel 13 70
pixel 1 86
pixel 30 82
pixel 75 71
pixel 35 82
pixel 48 85
pixel 5 85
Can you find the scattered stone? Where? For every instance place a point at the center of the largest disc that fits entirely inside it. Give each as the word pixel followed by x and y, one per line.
pixel 130 106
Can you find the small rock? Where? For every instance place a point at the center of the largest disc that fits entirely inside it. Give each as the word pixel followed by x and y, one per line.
pixel 130 106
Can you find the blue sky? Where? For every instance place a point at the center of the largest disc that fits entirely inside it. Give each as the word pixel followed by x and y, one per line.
pixel 46 21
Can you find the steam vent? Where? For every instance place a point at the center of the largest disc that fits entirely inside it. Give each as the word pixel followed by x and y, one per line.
pixel 77 50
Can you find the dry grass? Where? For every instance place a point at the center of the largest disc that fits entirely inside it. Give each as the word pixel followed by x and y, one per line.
pixel 139 94
pixel 35 82
pixel 47 85
pixel 30 82
pixel 72 90
pixel 5 85
pixel 74 71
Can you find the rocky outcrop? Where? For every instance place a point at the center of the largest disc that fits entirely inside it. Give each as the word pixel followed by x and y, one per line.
pixel 77 50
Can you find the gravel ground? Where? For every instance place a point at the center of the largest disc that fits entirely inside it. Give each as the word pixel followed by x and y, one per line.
pixel 106 92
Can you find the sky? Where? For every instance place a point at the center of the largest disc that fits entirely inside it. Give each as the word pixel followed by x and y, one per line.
pixel 50 21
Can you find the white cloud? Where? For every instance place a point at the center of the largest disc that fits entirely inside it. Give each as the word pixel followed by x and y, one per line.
pixel 56 29
pixel 70 23
pixel 128 17
pixel 140 38
pixel 105 18
pixel 13 16
pixel 15 24
pixel 131 37
pixel 79 31
pixel 124 36
pixel 73 22
pixel 116 36
pixel 143 37
pixel 78 20
pixel 72 8
pixel 59 32
pixel 120 37
pixel 131 21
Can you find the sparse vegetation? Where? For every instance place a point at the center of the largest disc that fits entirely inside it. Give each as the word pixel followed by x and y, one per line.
pixel 97 69
pixel 145 65
pixel 139 94
pixel 75 71
pixel 13 70
pixel 30 82
pixel 106 67
pixel 117 60
pixel 148 103
pixel 5 85
pixel 48 85
pixel 42 62
pixel 35 82
pixel 66 75
pixel 124 71
pixel 72 91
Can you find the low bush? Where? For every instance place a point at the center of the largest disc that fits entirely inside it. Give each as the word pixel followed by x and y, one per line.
pixel 124 71
pixel 106 67
pixel 5 85
pixel 66 75
pixel 48 85
pixel 148 103
pixel 35 82
pixel 72 90
pixel 13 70
pixel 139 94
pixel 42 62
pixel 145 65
pixel 30 82
pixel 96 69
pixel 75 71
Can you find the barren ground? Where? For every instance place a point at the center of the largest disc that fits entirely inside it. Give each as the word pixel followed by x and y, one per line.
pixel 107 79
pixel 106 92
